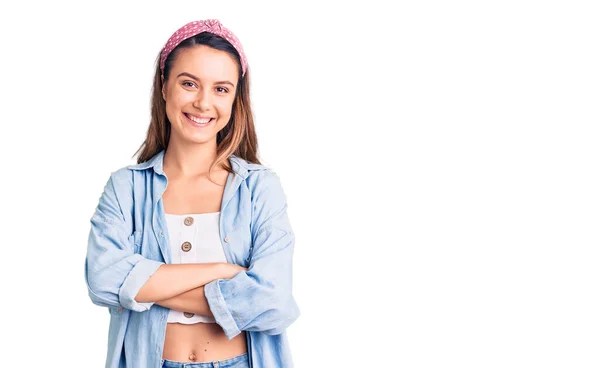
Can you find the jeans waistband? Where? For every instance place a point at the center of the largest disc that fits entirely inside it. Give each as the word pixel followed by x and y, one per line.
pixel 237 362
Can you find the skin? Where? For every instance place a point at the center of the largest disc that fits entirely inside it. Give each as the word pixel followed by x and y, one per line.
pixel 201 83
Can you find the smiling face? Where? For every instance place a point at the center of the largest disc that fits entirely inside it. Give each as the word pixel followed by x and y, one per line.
pixel 199 94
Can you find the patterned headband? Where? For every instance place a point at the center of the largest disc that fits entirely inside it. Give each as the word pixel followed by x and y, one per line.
pixel 193 28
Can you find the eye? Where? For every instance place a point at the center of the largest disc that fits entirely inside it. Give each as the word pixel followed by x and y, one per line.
pixel 222 90
pixel 189 84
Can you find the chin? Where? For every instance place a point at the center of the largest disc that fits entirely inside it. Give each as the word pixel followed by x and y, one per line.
pixel 200 140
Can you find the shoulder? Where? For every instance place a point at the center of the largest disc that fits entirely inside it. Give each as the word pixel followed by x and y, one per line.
pixel 119 186
pixel 269 201
pixel 266 187
pixel 266 177
pixel 260 176
pixel 255 175
pixel 262 181
pixel 122 177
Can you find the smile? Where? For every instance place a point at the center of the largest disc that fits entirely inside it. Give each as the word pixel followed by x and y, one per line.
pixel 198 122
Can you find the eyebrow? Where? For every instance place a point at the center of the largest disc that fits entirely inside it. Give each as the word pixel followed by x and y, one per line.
pixel 185 74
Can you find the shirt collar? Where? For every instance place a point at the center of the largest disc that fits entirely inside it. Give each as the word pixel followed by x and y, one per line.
pixel 238 164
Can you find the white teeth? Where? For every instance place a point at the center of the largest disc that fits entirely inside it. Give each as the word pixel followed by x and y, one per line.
pixel 197 120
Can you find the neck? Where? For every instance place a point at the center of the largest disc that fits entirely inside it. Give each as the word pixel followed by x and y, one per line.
pixel 187 161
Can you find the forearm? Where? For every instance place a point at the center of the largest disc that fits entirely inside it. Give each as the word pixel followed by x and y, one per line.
pixel 192 301
pixel 171 280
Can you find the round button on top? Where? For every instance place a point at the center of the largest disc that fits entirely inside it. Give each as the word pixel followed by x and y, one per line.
pixel 188 221
pixel 188 314
pixel 226 239
pixel 186 246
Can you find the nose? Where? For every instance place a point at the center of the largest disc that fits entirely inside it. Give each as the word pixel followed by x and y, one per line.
pixel 203 99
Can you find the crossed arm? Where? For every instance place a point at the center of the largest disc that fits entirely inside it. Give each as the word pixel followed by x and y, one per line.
pixel 181 286
pixel 257 299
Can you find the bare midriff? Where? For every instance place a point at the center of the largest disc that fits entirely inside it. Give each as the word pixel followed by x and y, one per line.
pixel 201 342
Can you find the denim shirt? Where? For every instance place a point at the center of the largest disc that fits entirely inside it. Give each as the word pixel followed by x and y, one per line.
pixel 129 240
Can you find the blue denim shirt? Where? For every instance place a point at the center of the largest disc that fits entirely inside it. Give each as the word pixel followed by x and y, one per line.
pixel 129 240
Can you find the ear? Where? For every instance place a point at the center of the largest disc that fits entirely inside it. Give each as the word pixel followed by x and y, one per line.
pixel 162 82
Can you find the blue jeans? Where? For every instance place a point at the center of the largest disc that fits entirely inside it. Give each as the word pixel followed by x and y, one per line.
pixel 240 361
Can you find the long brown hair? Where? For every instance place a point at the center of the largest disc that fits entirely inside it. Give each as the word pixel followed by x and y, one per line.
pixel 237 137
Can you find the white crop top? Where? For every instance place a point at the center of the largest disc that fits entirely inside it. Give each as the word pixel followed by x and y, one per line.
pixel 194 239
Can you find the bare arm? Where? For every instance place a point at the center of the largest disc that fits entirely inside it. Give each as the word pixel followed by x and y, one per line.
pixel 170 280
pixel 192 301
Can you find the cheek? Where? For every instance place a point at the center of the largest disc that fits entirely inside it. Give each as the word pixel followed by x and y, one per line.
pixel 177 97
pixel 181 99
pixel 174 106
pixel 224 107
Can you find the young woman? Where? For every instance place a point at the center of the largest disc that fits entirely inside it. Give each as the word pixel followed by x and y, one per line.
pixel 191 249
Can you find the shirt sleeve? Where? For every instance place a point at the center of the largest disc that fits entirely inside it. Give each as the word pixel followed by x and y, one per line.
pixel 260 299
pixel 114 273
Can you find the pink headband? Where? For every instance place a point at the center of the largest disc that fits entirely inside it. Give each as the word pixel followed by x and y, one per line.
pixel 193 28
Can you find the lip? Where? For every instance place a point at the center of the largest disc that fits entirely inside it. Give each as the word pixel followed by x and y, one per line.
pixel 196 125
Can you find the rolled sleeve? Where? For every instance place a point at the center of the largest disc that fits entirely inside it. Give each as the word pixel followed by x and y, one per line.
pixel 138 276
pixel 219 309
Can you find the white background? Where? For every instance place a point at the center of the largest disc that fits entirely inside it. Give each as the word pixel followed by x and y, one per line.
pixel 440 161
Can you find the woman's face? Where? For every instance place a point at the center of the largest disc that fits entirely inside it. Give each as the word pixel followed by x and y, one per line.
pixel 199 94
